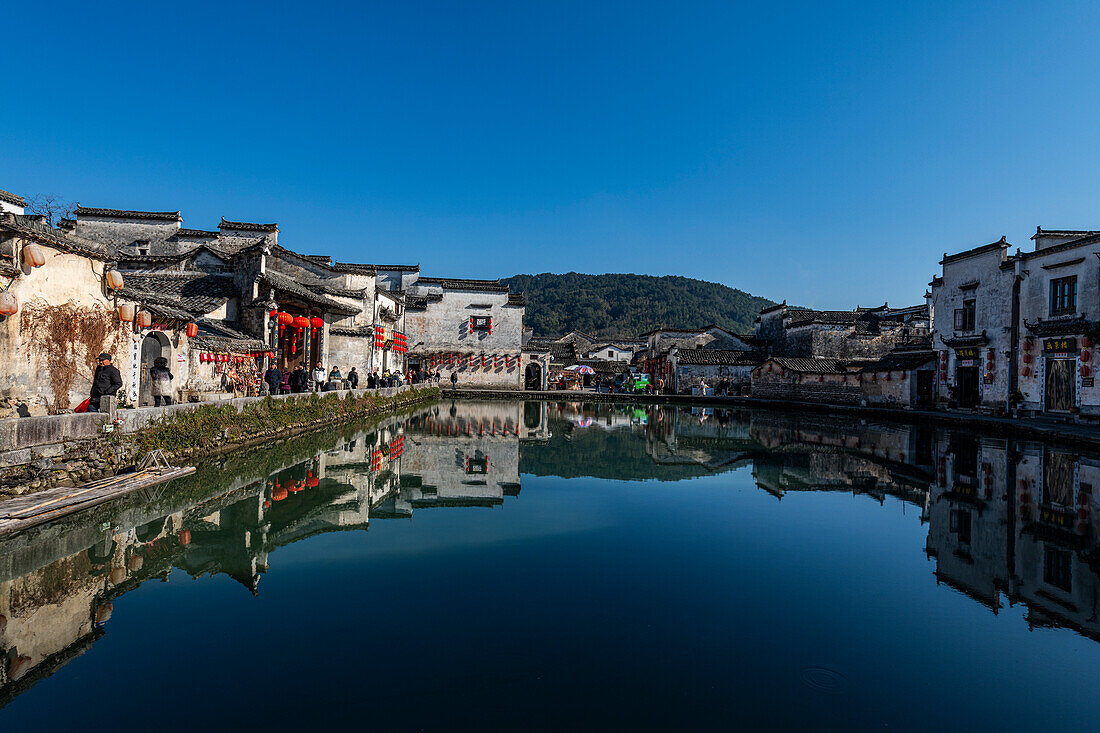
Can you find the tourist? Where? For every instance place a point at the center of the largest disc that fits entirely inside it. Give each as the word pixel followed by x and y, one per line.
pixel 318 377
pixel 372 380
pixel 284 385
pixel 161 380
pixel 454 380
pixel 106 381
pixel 299 380
pixel 273 378
pixel 353 379
pixel 334 375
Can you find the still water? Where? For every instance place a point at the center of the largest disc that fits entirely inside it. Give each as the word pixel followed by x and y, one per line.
pixel 558 565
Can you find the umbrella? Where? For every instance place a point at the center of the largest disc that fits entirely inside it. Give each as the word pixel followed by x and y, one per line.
pixel 580 369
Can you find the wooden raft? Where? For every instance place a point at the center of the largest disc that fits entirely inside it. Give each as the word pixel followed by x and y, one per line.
pixel 45 506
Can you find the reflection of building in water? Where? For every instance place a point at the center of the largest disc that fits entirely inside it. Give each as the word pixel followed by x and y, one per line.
pixel 1017 520
pixel 465 454
pixel 811 452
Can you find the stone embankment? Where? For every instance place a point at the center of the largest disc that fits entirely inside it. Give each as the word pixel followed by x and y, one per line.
pixel 1051 431
pixel 61 450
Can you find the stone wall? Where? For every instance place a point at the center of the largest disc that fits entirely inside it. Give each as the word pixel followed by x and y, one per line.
pixel 831 389
pixel 69 289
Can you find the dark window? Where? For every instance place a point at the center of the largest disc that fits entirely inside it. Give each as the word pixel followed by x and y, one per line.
pixel 1063 296
pixel 1056 568
pixel 959 522
pixel 481 323
pixel 477 464
pixel 964 317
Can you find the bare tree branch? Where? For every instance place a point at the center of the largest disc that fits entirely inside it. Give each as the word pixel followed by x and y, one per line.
pixel 51 206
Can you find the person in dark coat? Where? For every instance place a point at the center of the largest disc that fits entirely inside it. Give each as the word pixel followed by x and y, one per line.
pixel 353 378
pixel 105 381
pixel 274 379
pixel 161 379
pixel 299 380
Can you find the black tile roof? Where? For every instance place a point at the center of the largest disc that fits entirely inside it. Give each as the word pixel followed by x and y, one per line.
pixel 195 233
pixel 516 299
pixel 12 198
pixel 1000 244
pixel 900 362
pixel 297 289
pixel 128 214
pixel 809 366
pixel 451 283
pixel 719 357
pixel 248 226
pixel 31 228
pixel 197 293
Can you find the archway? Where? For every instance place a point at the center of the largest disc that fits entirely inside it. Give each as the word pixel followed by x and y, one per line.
pixel 154 345
pixel 532 378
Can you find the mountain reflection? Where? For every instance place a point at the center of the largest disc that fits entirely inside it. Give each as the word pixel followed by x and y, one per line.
pixel 1008 521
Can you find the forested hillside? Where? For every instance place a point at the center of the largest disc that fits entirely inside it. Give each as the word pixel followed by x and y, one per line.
pixel 613 305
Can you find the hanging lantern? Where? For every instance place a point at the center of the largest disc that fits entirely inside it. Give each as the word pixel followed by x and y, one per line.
pixel 1086 356
pixel 273 314
pixel 1084 370
pixel 317 323
pixel 114 279
pixel 192 330
pixel 144 319
pixel 8 304
pixel 1086 342
pixel 300 323
pixel 1026 371
pixel 1027 344
pixel 33 255
pixel 126 312
pixel 1027 358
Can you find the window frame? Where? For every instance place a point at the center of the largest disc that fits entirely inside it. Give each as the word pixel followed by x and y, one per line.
pixel 1063 302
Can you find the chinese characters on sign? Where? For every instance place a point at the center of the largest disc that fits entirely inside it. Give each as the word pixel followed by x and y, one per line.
pixel 1059 345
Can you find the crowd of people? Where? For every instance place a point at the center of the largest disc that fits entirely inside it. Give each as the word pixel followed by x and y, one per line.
pixel 298 379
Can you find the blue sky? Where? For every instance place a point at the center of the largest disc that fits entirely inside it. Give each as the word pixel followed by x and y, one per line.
pixel 824 153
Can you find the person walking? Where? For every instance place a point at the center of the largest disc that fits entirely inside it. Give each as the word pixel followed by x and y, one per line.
pixel 318 377
pixel 161 379
pixel 353 379
pixel 105 381
pixel 273 378
pixel 454 380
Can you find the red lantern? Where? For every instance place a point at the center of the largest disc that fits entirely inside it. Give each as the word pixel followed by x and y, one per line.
pixel 1027 345
pixel 316 322
pixel 1084 371
pixel 278 494
pixel 989 355
pixel 1027 358
pixel 1086 342
pixel 1086 356
pixel 273 314
pixel 192 330
pixel 185 536
pixel 1026 371
pixel 301 323
pixel 312 482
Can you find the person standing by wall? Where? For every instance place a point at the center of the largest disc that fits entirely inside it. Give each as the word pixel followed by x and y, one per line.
pixel 274 378
pixel 106 381
pixel 353 379
pixel 318 377
pixel 161 379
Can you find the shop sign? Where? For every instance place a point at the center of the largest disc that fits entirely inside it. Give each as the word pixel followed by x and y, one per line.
pixel 964 490
pixel 987 379
pixel 1059 345
pixel 971 352
pixel 1056 517
pixel 1086 381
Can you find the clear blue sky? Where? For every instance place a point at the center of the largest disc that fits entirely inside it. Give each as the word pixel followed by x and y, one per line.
pixel 824 153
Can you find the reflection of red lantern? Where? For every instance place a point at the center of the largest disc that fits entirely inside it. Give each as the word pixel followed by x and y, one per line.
pixel 185 536
pixel 278 494
pixel 312 482
pixel 192 330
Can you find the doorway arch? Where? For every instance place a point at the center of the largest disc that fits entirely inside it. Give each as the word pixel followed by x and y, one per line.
pixel 154 345
pixel 532 377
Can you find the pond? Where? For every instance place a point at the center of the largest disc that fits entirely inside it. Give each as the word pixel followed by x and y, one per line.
pixel 535 565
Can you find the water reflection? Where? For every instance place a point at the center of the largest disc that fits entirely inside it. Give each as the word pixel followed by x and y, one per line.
pixel 1007 522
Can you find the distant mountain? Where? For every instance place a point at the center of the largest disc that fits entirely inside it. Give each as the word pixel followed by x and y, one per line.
pixel 627 305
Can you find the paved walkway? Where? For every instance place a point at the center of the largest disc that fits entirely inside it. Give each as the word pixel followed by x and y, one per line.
pixel 1038 428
